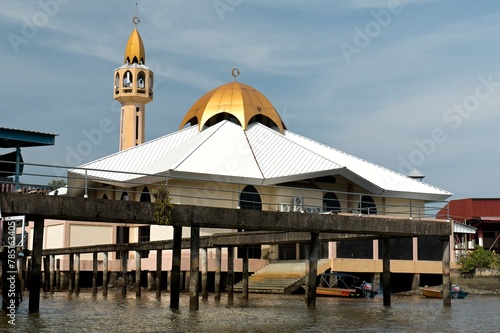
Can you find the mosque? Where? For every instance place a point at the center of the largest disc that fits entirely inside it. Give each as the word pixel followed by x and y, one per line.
pixel 233 150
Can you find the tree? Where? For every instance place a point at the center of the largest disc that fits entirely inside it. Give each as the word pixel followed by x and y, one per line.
pixel 479 258
pixel 56 183
pixel 162 206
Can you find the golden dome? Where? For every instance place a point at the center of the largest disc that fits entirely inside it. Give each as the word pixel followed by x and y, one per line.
pixel 134 52
pixel 236 102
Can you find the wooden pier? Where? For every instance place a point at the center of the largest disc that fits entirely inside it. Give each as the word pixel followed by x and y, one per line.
pixel 268 228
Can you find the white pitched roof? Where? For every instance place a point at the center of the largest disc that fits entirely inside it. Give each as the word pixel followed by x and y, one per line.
pixel 259 155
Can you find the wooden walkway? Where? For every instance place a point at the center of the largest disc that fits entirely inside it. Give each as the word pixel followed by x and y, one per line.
pixel 307 227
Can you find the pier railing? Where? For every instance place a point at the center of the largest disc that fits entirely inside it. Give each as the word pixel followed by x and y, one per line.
pixel 219 192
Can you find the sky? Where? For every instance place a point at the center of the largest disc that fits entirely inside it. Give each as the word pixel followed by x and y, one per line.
pixel 403 84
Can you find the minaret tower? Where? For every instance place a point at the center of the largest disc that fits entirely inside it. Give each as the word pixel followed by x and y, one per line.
pixel 133 89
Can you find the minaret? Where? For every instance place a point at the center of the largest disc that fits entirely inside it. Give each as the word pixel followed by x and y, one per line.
pixel 133 89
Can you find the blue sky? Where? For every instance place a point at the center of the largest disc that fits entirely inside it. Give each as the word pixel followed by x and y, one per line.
pixel 399 83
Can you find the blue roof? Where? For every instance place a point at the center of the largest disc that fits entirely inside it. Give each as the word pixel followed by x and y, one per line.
pixel 12 138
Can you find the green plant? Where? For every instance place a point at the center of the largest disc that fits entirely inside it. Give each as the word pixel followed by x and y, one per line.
pixel 56 183
pixel 495 264
pixel 162 206
pixel 479 258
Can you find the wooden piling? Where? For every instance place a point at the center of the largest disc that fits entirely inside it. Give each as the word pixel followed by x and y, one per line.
pixel 313 268
pixel 94 273
pixel 52 274
pixel 138 273
pixel 46 273
pixel 105 274
pixel 386 270
pixel 22 273
pixel 446 272
pixel 230 274
pixel 176 268
pixel 218 268
pixel 36 268
pixel 158 273
pixel 185 280
pixel 77 274
pixel 244 290
pixel 58 274
pixel 195 269
pixel 123 289
pixel 71 277
pixel 204 273
pixel 150 280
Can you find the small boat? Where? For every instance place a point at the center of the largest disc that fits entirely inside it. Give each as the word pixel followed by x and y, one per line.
pixel 456 292
pixel 343 285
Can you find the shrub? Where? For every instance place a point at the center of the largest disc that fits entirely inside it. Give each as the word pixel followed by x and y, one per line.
pixel 162 206
pixel 479 258
pixel 495 264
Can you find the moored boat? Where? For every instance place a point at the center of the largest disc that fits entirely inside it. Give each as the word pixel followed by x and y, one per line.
pixel 343 285
pixel 456 292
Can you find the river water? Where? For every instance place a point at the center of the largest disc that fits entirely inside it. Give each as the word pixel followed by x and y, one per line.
pixel 262 313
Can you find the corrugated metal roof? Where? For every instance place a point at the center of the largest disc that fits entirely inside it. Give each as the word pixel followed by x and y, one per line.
pixel 138 158
pixel 471 208
pixel 278 156
pixel 387 181
pixel 12 138
pixel 257 155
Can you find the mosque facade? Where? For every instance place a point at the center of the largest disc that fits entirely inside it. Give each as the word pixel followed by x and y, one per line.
pixel 233 150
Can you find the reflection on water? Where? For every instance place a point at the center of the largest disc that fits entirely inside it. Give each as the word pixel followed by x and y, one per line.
pixel 262 313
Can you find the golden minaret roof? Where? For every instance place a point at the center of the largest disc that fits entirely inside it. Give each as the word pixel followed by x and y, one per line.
pixel 134 51
pixel 237 100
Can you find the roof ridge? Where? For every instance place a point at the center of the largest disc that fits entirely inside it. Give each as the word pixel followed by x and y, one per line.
pixel 215 128
pixel 251 149
pixel 145 144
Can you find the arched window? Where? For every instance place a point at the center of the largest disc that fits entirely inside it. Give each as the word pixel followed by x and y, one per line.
pixel 141 80
pixel 250 198
pixel 191 122
pixel 127 79
pixel 145 195
pixel 117 80
pixel 367 205
pixel 151 81
pixel 266 121
pixel 105 196
pixel 217 118
pixel 331 203
pixel 124 196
